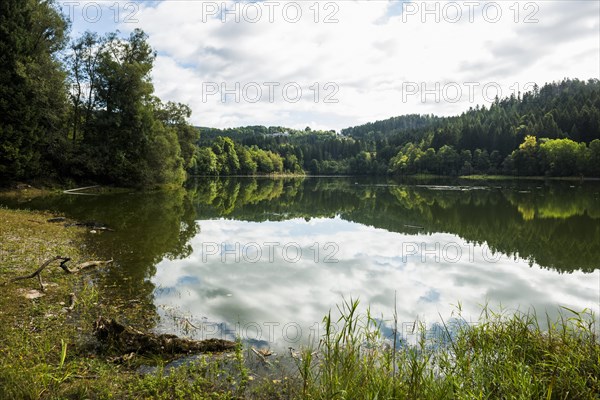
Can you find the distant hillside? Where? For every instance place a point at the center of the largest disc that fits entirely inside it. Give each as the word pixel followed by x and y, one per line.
pixel 565 109
pixel 393 125
pixel 553 130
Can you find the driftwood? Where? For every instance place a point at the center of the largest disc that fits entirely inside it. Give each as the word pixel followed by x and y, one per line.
pixel 126 339
pixel 74 191
pixel 87 265
pixel 38 272
pixel 262 355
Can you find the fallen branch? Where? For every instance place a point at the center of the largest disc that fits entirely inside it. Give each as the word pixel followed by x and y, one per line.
pixel 38 272
pixel 95 225
pixel 126 339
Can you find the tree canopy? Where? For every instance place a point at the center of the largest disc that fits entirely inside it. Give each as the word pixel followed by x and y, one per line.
pixel 91 116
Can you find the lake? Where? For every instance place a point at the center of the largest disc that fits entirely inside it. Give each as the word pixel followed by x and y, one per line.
pixel 266 259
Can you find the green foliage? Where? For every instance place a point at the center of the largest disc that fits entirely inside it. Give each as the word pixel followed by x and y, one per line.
pixel 112 129
pixel 556 111
pixel 479 141
pixel 562 157
pixel 32 92
pixel 332 153
pixel 224 157
pixel 120 132
pixel 554 157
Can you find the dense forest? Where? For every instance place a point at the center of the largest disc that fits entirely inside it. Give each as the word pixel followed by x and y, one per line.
pixel 83 109
pixel 553 131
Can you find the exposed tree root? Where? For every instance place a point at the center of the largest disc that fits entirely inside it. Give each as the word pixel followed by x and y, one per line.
pixel 126 340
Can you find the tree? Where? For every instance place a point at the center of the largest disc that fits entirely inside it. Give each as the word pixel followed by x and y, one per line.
pixel 449 160
pixel 525 158
pixel 175 115
pixel 32 91
pixel 228 162
pixel 121 133
pixel 206 163
pixel 361 163
pixel 562 157
pixel 314 167
pixel 593 162
pixel 82 77
pixel 276 161
pixel 429 161
pixel 481 161
pixel 247 164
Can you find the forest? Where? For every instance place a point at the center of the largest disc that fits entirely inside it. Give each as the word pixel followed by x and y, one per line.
pixel 83 109
pixel 550 131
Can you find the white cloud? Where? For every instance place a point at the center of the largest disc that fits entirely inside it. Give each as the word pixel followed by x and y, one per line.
pixel 374 50
pixel 215 285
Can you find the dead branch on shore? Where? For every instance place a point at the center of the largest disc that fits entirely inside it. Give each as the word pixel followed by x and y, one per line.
pixel 63 261
pixel 126 339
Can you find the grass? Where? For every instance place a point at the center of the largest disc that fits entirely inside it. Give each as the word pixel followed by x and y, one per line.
pixel 47 353
pixel 504 356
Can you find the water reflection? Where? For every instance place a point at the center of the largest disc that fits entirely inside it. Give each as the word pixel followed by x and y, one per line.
pixel 282 299
pixel 555 225
pixel 321 239
pixel 243 256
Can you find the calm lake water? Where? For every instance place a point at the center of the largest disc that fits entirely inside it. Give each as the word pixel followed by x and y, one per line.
pixel 268 258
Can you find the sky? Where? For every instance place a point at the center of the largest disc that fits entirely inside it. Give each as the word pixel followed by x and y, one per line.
pixel 335 64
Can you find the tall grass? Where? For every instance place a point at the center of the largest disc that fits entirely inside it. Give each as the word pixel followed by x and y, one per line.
pixel 504 356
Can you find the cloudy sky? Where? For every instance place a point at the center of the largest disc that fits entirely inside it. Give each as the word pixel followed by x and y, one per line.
pixel 334 64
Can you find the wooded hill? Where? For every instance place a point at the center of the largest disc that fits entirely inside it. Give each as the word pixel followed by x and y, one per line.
pixel 553 130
